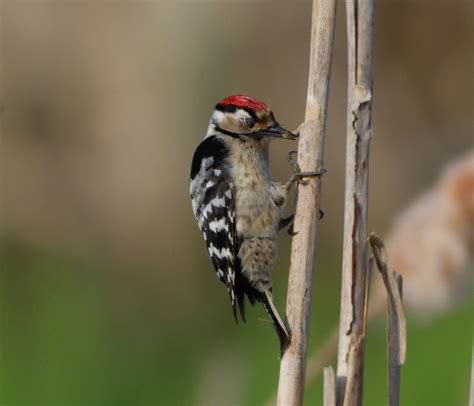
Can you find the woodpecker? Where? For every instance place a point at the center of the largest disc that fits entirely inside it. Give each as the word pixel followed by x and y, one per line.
pixel 236 203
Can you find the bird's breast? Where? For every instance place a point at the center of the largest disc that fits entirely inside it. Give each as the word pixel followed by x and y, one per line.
pixel 256 212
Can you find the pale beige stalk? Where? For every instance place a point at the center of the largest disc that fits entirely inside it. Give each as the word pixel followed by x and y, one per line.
pixel 310 158
pixel 350 366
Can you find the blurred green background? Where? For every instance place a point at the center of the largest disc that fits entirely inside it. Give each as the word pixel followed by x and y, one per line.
pixel 107 296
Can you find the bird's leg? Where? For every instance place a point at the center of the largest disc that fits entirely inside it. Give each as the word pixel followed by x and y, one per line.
pixel 290 221
pixel 298 175
pixel 285 221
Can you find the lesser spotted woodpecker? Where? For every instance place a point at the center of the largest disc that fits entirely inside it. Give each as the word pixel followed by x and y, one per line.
pixel 236 203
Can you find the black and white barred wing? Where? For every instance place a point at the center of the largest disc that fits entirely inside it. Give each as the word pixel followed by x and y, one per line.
pixel 213 203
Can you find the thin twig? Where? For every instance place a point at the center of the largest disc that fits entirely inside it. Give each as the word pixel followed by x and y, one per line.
pixel 350 367
pixel 329 387
pixel 354 370
pixel 393 338
pixel 393 291
pixel 396 322
pixel 310 158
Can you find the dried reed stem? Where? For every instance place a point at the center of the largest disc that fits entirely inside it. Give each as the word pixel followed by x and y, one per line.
pixel 350 368
pixel 392 285
pixel 394 348
pixel 329 387
pixel 396 322
pixel 310 158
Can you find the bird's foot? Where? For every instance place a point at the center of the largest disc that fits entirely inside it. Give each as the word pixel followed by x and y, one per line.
pixel 298 175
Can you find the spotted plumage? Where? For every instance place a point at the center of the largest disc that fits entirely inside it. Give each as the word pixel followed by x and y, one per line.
pixel 211 192
pixel 236 203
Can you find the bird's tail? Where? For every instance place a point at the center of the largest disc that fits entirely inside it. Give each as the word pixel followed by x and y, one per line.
pixel 277 322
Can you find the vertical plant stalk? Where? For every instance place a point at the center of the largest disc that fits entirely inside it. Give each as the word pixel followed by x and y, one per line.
pixel 394 344
pixel 393 282
pixel 350 366
pixel 310 158
pixel 396 321
pixel 329 387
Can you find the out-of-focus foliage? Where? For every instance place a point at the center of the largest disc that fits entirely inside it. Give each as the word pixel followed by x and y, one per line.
pixel 106 292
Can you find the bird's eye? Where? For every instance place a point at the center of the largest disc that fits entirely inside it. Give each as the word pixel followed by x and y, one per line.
pixel 249 122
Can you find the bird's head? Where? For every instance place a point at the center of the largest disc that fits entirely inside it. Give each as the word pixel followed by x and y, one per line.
pixel 238 115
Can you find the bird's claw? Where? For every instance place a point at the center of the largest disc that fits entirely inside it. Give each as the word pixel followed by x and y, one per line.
pixel 291 232
pixel 298 175
pixel 316 174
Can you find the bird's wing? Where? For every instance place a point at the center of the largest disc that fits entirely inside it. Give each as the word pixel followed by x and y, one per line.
pixel 212 194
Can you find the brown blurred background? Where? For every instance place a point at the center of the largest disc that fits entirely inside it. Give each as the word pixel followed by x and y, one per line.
pixel 107 293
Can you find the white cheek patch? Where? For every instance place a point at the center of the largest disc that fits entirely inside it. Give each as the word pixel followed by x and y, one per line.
pixel 218 117
pixel 229 121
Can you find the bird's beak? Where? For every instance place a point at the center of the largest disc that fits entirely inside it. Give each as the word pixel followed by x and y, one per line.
pixel 279 132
